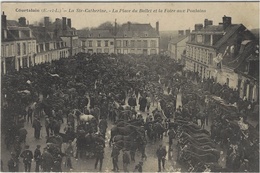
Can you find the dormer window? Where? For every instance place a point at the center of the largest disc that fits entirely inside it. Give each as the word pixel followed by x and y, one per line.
pixel 98 35
pixel 90 35
pixel 146 35
pixel 125 35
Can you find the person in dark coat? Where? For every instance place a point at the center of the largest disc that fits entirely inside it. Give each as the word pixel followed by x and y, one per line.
pixel 27 156
pixel 30 112
pixel 37 158
pixel 17 146
pixel 126 160
pixel 47 126
pixel 132 102
pixel 142 103
pixel 37 128
pixel 114 155
pixel 47 161
pixel 99 156
pixel 22 134
pixel 161 153
pixel 103 126
pixel 69 153
pixel 13 163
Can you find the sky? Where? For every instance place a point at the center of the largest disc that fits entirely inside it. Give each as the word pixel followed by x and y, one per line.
pixel 171 15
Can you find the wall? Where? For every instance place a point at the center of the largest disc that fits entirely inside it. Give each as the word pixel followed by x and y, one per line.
pixel 137 48
pixel 10 49
pixel 95 48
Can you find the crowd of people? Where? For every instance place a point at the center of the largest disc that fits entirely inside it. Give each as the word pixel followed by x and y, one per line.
pixel 104 86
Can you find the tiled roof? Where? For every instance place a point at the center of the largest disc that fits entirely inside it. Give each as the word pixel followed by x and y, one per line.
pixel 137 30
pixel 177 39
pixel 57 25
pixel 41 34
pixel 212 28
pixel 229 31
pixel 12 23
pixel 95 33
pixel 16 32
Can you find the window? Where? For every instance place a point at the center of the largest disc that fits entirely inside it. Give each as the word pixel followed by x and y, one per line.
pixel 47 46
pixel 24 62
pixel 125 43
pixel 106 50
pixel 132 43
pixel 210 58
pixel 90 35
pixel 99 50
pixel 132 51
pixel 139 43
pixel 2 50
pixel 146 35
pixel 118 50
pixel 111 43
pixel 24 48
pixel 199 38
pixel 29 47
pixel 98 35
pixel 118 43
pixel 106 43
pixel 99 43
pixel 139 51
pixel 18 49
pixel 6 50
pixel 145 43
pixel 90 43
pixel 153 51
pixel 153 43
pixel 83 43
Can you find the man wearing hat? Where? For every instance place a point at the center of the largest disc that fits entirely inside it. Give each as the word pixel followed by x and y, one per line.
pixel 37 158
pixel 99 156
pixel 13 163
pixel 114 155
pixel 27 156
pixel 47 125
pixel 37 127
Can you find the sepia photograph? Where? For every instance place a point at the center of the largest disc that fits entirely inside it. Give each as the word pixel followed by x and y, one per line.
pixel 129 86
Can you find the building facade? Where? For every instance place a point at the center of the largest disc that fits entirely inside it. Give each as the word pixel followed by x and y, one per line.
pixel 48 47
pixel 18 46
pixel 96 41
pixel 130 38
pixel 177 45
pixel 217 51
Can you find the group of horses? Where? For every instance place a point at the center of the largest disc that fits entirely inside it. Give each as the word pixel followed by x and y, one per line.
pixel 195 147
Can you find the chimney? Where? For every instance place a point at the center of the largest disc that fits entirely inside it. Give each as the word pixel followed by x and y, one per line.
pixel 206 23
pixel 226 21
pixel 129 26
pixel 64 23
pixel 157 27
pixel 187 31
pixel 46 21
pixel 198 27
pixel 69 22
pixel 4 23
pixel 22 21
pixel 181 32
pixel 115 28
